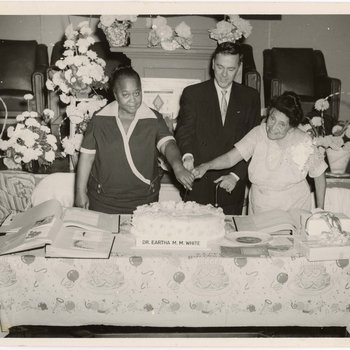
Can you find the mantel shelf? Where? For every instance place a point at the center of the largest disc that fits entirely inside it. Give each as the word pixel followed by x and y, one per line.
pixel 142 51
pixel 158 63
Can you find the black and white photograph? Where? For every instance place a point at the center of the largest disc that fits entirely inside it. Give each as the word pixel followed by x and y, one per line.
pixel 205 148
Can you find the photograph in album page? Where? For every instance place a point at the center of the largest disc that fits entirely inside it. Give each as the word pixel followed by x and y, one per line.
pixel 34 216
pixel 91 219
pixel 79 217
pixel 60 241
pixel 35 235
pixel 44 224
pixel 75 242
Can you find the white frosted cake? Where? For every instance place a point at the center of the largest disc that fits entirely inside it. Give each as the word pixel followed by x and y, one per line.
pixel 177 225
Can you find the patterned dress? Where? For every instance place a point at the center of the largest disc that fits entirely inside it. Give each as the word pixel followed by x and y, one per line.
pixel 125 171
pixel 278 174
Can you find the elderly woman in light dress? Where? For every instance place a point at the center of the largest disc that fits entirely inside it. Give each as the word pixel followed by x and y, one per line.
pixel 281 156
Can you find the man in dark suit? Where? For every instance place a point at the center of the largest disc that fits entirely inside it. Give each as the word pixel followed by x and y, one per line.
pixel 213 116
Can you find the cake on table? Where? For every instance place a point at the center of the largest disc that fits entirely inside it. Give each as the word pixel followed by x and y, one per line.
pixel 180 225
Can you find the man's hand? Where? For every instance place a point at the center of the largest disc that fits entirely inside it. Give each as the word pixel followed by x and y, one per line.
pixel 200 170
pixel 188 162
pixel 184 176
pixel 227 182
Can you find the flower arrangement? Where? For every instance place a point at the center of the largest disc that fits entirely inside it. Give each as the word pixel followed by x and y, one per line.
pixel 80 70
pixel 339 136
pixel 116 28
pixel 30 139
pixel 231 28
pixel 161 34
pixel 80 74
pixel 338 139
pixel 80 114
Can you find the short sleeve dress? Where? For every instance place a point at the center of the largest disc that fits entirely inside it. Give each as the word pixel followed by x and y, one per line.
pixel 125 171
pixel 278 175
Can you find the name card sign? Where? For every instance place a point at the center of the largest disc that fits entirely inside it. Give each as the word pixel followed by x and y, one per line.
pixel 182 244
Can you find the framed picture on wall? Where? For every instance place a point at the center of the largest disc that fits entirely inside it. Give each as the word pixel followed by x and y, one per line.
pixel 163 95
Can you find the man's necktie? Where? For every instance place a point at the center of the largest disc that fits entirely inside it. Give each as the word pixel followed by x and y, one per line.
pixel 223 106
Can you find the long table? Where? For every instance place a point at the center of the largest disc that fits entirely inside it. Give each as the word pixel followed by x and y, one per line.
pixel 168 289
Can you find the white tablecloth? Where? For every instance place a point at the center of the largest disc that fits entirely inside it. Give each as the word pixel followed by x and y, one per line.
pixel 136 288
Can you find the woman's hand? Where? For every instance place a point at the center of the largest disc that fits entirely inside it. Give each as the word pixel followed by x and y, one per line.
pixel 200 170
pixel 227 182
pixel 82 200
pixel 184 176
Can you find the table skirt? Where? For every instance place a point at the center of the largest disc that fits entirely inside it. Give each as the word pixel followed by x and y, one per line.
pixel 137 288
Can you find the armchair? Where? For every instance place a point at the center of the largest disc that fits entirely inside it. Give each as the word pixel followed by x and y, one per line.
pixel 23 65
pixel 250 75
pixel 302 70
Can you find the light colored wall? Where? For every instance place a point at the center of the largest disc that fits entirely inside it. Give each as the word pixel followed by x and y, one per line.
pixel 329 33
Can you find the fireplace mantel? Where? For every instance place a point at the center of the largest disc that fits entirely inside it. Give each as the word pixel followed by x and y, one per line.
pixel 180 63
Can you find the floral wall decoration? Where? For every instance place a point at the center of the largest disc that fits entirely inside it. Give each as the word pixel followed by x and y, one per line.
pixel 161 34
pixel 232 28
pixel 116 28
pixel 30 140
pixel 80 73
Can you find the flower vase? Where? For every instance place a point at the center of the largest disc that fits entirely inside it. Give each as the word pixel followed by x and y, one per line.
pixel 74 128
pixel 31 167
pixel 73 158
pixel 73 161
pixel 117 36
pixel 34 167
pixel 338 160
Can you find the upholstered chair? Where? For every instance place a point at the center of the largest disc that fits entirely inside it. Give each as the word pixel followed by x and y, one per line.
pixel 250 75
pixel 23 65
pixel 302 70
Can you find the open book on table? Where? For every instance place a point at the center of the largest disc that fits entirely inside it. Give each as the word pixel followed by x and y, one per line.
pixel 274 222
pixel 70 232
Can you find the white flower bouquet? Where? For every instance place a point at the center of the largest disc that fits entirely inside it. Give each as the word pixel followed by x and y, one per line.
pixel 30 139
pixel 80 114
pixel 116 28
pixel 338 139
pixel 232 28
pixel 161 34
pixel 339 136
pixel 80 70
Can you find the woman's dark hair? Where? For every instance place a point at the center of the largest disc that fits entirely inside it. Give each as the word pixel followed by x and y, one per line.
pixel 289 104
pixel 123 71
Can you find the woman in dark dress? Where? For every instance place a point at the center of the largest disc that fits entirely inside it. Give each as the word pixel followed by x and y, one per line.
pixel 118 165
